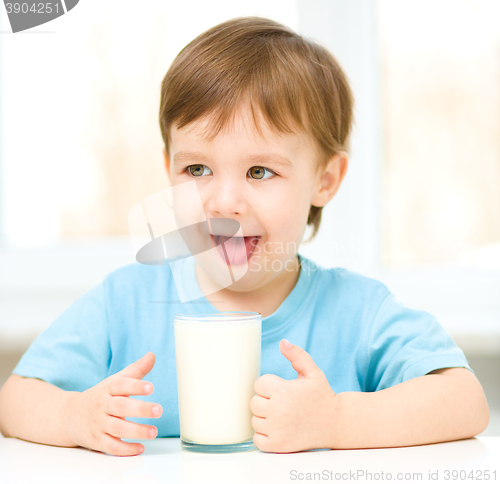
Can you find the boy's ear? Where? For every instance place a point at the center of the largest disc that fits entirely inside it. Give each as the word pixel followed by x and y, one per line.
pixel 330 178
pixel 167 164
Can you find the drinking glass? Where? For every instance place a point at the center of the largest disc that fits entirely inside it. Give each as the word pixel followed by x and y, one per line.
pixel 218 360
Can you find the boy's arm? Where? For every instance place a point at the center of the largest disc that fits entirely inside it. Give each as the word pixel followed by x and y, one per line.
pixel 34 410
pixel 444 405
pixel 38 411
pixel 305 413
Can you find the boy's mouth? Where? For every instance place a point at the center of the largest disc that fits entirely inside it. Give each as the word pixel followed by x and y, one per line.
pixel 232 250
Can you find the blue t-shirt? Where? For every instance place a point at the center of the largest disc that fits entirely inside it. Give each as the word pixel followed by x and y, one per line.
pixel 357 332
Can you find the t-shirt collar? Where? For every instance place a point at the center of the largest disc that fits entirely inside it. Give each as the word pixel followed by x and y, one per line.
pixel 198 303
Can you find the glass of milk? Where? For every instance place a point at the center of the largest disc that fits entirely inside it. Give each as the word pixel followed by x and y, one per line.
pixel 218 361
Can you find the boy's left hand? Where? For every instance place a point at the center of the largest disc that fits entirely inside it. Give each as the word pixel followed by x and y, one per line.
pixel 293 415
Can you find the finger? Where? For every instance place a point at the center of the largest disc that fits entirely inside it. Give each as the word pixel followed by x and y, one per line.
pixel 115 446
pixel 123 429
pixel 265 384
pixel 259 406
pixel 131 407
pixel 263 442
pixel 140 368
pixel 300 359
pixel 124 386
pixel 259 425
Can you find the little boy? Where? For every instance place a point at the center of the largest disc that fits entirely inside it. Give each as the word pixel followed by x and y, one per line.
pixel 260 118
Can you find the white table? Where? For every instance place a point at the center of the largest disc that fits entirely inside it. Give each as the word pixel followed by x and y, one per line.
pixel 163 461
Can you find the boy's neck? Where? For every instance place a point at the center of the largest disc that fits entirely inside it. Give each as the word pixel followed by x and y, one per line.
pixel 265 300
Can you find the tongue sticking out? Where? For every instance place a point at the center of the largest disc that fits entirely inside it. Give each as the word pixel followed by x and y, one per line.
pixel 238 249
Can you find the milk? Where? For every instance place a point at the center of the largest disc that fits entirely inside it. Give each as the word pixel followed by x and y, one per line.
pixel 218 361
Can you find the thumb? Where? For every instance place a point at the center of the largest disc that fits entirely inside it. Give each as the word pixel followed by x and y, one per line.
pixel 301 360
pixel 140 368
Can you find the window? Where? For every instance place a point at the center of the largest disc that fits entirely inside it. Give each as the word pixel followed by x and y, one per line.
pixel 441 103
pixel 427 227
pixel 80 143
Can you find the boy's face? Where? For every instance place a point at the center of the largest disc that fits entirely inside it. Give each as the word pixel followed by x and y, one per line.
pixel 243 176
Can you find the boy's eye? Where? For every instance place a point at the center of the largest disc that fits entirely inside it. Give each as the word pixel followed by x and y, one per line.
pixel 197 170
pixel 258 172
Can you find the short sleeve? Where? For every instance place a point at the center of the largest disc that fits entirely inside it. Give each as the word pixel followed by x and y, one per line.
pixel 405 343
pixel 73 353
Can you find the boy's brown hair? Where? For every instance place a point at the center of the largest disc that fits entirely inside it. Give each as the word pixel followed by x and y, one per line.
pixel 295 82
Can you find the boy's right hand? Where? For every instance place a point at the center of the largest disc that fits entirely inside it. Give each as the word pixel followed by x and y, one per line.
pixel 96 417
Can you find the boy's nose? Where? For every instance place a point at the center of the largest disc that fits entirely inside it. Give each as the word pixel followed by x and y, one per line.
pixel 226 198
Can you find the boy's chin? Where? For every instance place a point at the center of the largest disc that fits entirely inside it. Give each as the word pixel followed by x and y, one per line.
pixel 255 273
pixel 258 272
